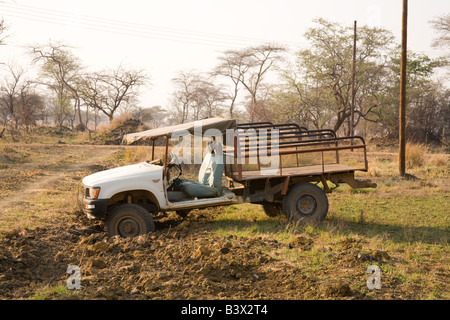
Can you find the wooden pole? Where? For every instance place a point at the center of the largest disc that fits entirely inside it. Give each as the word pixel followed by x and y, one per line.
pixel 402 111
pixel 352 110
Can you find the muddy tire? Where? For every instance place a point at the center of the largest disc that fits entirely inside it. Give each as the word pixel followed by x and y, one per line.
pixel 272 209
pixel 129 220
pixel 306 203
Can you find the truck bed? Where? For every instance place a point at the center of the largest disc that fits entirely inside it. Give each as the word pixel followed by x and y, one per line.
pixel 295 171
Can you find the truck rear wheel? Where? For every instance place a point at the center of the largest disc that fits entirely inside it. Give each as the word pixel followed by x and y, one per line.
pixel 129 220
pixel 305 202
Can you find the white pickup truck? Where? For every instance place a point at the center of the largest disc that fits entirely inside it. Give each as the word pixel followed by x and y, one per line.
pixel 127 197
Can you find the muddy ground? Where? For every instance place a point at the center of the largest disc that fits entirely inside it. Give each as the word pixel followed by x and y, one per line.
pixel 183 259
pixel 186 258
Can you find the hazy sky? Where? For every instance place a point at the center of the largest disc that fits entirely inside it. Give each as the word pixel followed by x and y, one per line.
pixel 168 36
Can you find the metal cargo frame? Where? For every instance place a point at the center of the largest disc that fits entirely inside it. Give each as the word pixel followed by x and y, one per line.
pixel 295 140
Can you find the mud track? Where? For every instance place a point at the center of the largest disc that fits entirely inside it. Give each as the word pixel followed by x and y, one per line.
pixel 69 161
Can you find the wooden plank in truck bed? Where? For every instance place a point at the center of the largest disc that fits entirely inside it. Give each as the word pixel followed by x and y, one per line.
pixel 297 171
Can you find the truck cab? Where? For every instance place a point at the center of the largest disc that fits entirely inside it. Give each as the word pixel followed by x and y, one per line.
pixel 126 197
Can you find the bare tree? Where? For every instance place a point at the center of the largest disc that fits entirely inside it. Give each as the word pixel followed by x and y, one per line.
pixel 207 99
pixel 3 28
pixel 154 116
pixel 91 92
pixel 183 96
pixel 121 86
pixel 233 66
pixel 259 60
pixel 196 97
pixel 19 102
pixel 60 65
pixel 110 90
pixel 442 25
pixel 213 99
pixel 248 67
pixel 31 104
pixel 9 92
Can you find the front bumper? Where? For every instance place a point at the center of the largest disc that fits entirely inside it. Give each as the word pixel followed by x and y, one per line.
pixel 92 208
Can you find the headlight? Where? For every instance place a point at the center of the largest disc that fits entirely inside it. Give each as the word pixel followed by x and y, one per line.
pixel 92 193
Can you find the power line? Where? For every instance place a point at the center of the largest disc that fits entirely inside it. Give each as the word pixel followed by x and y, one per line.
pixel 126 28
pixel 134 25
pixel 116 32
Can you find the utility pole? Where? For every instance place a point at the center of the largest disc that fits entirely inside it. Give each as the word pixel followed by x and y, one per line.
pixel 402 111
pixel 352 110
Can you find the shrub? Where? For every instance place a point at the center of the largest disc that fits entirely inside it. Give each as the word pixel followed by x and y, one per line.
pixel 415 154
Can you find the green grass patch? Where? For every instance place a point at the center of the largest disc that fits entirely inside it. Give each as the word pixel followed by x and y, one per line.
pixel 51 292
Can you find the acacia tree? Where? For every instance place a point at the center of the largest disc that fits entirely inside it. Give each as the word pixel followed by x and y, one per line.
pixel 195 97
pixel 233 66
pixel 211 99
pixel 19 102
pixel 3 28
pixel 154 116
pixel 9 92
pixel 183 95
pixel 428 105
pixel 442 25
pixel 327 66
pixel 300 100
pixel 62 68
pixel 258 60
pixel 206 98
pixel 91 95
pixel 109 90
pixel 248 68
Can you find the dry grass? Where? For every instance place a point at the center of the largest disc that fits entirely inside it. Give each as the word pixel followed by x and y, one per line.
pixel 117 121
pixel 439 160
pixel 139 154
pixel 133 154
pixel 415 155
pixel 406 218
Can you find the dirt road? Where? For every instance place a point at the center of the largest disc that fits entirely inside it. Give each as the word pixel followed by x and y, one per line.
pixel 66 161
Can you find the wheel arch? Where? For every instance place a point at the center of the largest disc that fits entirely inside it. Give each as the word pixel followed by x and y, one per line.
pixel 140 197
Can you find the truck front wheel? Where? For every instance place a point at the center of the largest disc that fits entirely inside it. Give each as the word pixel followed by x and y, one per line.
pixel 305 202
pixel 129 220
